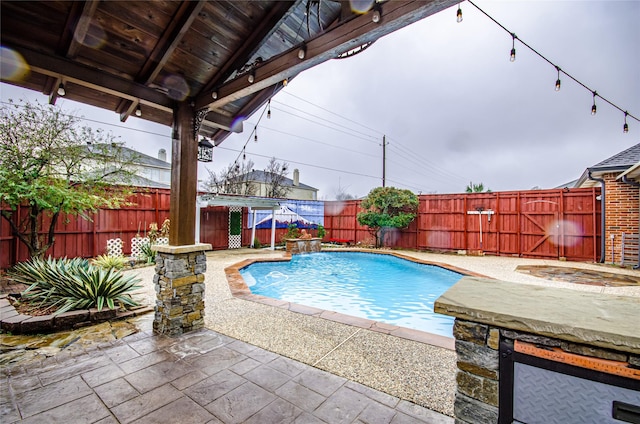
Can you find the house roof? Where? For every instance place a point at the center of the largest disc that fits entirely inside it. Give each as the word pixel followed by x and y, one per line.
pixel 265 177
pixel 617 163
pixel 138 157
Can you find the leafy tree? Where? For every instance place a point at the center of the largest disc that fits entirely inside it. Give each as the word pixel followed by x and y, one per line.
pixel 476 188
pixel 234 179
pixel 49 165
pixel 386 208
pixel 275 175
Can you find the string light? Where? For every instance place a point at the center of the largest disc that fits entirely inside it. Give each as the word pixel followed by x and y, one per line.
pixel 138 111
pixel 302 51
pixel 255 134
pixel 244 155
pixel 269 109
pixel 377 13
pixel 459 14
pixel 61 90
pixel 285 82
pixel 252 77
pixel 557 86
pixel 512 57
pixel 625 127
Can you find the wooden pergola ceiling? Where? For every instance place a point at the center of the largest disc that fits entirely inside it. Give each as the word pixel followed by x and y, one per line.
pixel 121 55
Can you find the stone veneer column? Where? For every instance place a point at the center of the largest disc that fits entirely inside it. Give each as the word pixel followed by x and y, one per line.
pixel 179 283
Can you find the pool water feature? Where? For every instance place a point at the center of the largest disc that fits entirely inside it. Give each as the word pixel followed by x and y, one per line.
pixel 379 287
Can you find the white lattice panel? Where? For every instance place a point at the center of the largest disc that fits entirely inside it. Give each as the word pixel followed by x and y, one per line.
pixel 136 245
pixel 114 247
pixel 235 241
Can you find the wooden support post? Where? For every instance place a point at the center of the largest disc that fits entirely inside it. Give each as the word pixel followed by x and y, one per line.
pixel 184 176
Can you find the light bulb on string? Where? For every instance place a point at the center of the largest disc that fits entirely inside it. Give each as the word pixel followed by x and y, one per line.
pixel 558 80
pixel 269 109
pixel 244 155
pixel 61 91
pixel 512 57
pixel 625 127
pixel 459 14
pixel 255 135
pixel 594 108
pixel 138 111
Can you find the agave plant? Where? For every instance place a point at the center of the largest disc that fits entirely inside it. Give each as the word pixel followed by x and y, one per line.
pixel 108 262
pixel 69 284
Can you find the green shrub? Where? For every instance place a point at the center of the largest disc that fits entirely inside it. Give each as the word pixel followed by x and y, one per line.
pixel 256 243
pixel 321 231
pixel 292 232
pixel 70 284
pixel 148 254
pixel 108 262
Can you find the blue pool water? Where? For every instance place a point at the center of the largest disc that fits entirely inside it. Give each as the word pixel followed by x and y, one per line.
pixel 379 287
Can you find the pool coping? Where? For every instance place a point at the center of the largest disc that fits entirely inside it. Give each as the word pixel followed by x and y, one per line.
pixel 240 290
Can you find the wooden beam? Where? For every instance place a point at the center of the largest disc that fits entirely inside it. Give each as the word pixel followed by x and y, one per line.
pixel 217 120
pixel 164 48
pixel 241 55
pixel 80 27
pixel 184 177
pixel 343 37
pixel 94 79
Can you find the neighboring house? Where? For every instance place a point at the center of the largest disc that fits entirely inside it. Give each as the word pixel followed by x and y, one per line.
pixel 296 190
pixel 619 177
pixel 149 171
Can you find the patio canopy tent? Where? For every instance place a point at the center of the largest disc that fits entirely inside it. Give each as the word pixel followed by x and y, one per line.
pixel 254 203
pixel 201 67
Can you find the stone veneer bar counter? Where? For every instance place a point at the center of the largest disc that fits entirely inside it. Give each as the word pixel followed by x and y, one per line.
pixel 492 316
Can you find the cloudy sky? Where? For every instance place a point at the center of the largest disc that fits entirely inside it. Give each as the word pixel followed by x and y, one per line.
pixel 451 105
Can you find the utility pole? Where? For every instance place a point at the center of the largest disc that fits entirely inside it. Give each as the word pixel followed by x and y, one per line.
pixel 384 161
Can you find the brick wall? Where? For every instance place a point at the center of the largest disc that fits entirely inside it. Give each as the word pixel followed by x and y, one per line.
pixel 622 209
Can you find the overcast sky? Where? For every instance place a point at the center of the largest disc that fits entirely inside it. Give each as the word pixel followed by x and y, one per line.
pixel 452 106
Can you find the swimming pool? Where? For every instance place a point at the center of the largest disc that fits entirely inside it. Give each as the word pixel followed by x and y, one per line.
pixel 379 287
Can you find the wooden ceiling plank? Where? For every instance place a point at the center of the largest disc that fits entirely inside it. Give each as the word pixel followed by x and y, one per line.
pixel 79 27
pixel 164 48
pixel 95 79
pixel 243 53
pixel 343 37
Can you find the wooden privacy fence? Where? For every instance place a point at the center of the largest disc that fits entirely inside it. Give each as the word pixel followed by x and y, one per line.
pixel 76 236
pixel 534 224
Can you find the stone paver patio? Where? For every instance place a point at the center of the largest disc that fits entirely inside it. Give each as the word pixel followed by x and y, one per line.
pixel 199 377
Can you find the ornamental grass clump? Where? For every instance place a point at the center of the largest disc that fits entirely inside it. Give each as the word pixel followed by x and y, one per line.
pixel 70 284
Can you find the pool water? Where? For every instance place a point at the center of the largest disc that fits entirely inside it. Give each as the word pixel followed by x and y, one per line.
pixel 379 287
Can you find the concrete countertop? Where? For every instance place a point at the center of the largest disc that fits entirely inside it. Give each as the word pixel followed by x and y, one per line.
pixel 596 319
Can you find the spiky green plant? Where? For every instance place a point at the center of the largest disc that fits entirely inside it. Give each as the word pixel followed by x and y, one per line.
pixel 147 253
pixel 70 284
pixel 108 262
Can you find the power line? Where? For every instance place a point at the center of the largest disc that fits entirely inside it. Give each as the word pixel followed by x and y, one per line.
pixel 318 142
pixel 326 126
pixel 302 163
